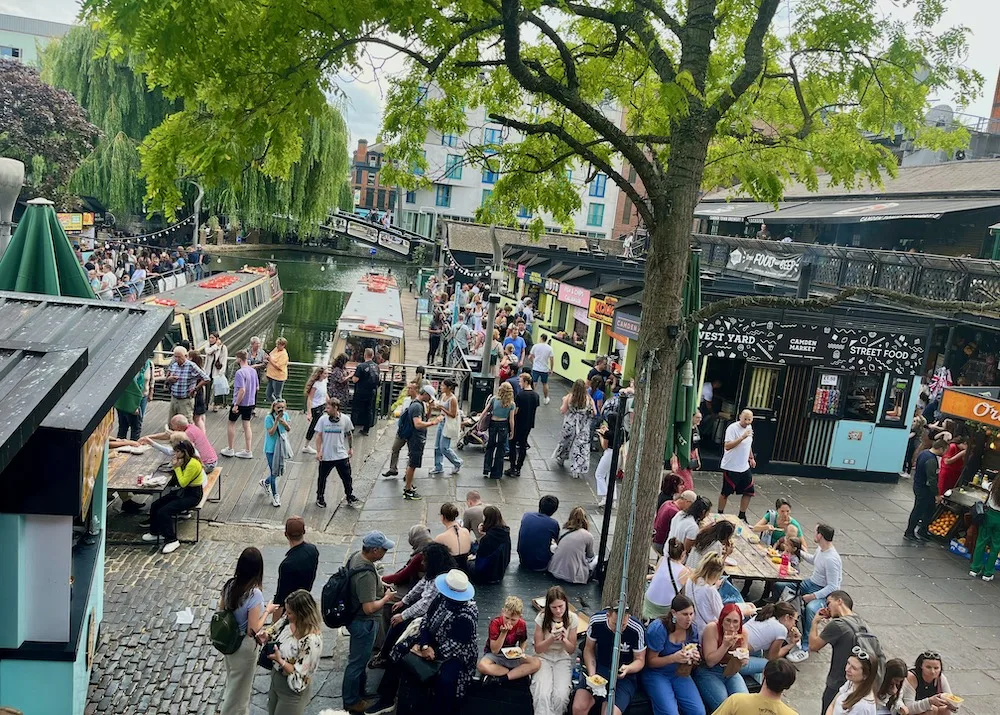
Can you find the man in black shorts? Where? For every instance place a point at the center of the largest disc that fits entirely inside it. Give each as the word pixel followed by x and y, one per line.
pixel 736 463
pixel 597 659
pixel 413 429
pixel 245 386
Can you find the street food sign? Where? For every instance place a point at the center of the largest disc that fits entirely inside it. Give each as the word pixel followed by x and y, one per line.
pixel 574 295
pixel 602 309
pixel 977 408
pixel 626 324
pixel 862 351
pixel 534 278
pixel 768 264
pixel 551 286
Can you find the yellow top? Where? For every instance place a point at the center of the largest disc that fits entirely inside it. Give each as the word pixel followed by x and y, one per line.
pixel 277 364
pixel 755 704
pixel 193 475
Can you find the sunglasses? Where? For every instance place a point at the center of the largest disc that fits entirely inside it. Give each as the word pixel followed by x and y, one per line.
pixel 930 655
pixel 860 653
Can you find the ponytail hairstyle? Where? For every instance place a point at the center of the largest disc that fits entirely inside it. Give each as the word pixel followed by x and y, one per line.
pixel 775 610
pixel 675 549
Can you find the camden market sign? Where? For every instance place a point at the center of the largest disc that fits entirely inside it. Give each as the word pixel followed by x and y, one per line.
pixel 865 351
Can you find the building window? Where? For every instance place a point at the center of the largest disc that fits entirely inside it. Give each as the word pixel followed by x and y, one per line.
pixel 569 175
pixel 411 197
pixel 369 198
pixel 358 178
pixel 381 199
pixel 14 52
pixel 631 174
pixel 486 196
pixel 442 195
pixel 391 195
pixel 373 160
pixel 421 93
pixel 595 215
pixel 523 213
pixel 371 178
pixel 492 136
pixel 627 211
pixel 453 166
pixel 490 177
pixel 449 140
pixel 598 186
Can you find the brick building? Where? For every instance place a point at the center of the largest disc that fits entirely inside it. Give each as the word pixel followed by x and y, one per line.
pixel 369 193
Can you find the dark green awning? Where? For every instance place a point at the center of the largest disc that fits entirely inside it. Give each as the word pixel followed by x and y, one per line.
pixel 40 259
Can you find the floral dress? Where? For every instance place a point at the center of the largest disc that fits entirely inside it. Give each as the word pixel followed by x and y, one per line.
pixel 303 653
pixel 337 386
pixel 574 445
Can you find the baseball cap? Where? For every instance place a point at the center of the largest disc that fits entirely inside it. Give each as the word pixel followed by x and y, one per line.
pixel 688 495
pixel 377 540
pixel 295 527
pixel 429 390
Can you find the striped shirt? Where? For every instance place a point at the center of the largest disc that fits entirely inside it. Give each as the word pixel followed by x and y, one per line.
pixel 188 375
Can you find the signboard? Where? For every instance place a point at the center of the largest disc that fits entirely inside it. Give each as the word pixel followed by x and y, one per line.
pixel 534 278
pixel 764 263
pixel 551 286
pixel 394 243
pixel 626 324
pixel 977 408
pixel 573 295
pixel 71 222
pixel 520 270
pixel 864 351
pixel 423 305
pixel 602 309
pixel 93 458
pixel 88 218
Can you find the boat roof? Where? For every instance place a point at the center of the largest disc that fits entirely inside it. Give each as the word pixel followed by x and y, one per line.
pixel 368 307
pixel 193 294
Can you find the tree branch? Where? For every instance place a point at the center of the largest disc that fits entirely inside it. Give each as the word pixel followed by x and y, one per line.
pixel 569 64
pixel 753 61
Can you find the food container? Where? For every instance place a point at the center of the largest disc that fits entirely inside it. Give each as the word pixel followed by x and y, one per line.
pixel 598 685
pixel 512 653
pixel 953 700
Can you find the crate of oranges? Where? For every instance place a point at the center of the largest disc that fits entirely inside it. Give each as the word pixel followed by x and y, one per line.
pixel 943 524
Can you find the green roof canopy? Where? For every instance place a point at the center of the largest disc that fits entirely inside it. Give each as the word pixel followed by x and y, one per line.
pixel 40 258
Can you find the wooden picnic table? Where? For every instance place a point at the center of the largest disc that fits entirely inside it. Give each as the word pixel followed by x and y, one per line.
pixel 124 470
pixel 753 563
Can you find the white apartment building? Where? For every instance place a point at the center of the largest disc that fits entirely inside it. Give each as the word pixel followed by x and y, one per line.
pixel 460 187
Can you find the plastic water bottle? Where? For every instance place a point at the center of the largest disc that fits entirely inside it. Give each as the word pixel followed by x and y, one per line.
pixel 783 570
pixel 576 670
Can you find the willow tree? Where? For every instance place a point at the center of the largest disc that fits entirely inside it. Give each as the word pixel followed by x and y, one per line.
pixel 119 102
pixel 714 91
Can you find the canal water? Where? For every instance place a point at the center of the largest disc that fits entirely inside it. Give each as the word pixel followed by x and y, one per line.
pixel 316 289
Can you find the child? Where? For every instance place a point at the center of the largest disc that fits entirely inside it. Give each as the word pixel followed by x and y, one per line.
pixel 508 630
pixel 791 545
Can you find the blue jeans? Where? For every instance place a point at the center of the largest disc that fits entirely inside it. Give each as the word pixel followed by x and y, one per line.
pixel 363 632
pixel 272 479
pixel 714 688
pixel 729 593
pixel 809 610
pixel 672 694
pixel 442 448
pixel 755 666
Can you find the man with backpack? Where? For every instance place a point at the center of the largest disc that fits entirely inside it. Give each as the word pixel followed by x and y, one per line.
pixel 366 379
pixel 842 629
pixel 368 596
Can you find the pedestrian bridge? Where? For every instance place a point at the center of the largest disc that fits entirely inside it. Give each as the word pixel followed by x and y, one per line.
pixel 392 238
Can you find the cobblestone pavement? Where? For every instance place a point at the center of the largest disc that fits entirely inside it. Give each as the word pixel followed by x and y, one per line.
pixel 913 597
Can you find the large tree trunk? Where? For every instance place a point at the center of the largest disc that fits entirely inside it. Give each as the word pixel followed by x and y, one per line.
pixel 666 270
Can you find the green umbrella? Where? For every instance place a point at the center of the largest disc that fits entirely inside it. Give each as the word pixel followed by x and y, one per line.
pixel 686 396
pixel 40 258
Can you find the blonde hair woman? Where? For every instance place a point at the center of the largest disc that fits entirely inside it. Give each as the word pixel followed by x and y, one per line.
pixel 574 557
pixel 298 645
pixel 703 590
pixel 501 426
pixel 577 409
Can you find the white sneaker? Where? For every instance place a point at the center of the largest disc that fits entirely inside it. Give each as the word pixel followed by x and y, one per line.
pixel 227 452
pixel 275 501
pixel 265 487
pixel 150 538
pixel 171 547
pixel 987 578
pixel 454 470
pixel 309 449
pixel 243 454
pixel 797 654
pixel 546 400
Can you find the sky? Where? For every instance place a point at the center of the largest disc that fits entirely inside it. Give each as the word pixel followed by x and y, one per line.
pixel 366 91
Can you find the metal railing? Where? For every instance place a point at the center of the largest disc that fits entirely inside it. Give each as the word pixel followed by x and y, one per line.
pixel 930 276
pixel 393 383
pixel 131 291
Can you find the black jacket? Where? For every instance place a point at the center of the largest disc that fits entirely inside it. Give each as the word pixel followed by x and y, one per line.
pixel 493 556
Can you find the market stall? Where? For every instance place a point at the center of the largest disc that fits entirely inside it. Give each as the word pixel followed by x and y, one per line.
pixel 978 410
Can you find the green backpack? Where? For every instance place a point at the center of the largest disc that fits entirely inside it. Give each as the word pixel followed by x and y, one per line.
pixel 225 632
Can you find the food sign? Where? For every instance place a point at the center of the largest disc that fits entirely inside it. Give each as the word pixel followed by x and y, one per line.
pixel 603 309
pixel 93 458
pixel 977 408
pixel 574 295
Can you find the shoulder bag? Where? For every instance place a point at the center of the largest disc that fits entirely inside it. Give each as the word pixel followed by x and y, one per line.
pixel 420 668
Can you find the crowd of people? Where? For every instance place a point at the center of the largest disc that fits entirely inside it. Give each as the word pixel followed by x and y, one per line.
pixel 123 271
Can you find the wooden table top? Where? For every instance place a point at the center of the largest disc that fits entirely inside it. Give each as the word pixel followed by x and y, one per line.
pixel 125 469
pixel 752 560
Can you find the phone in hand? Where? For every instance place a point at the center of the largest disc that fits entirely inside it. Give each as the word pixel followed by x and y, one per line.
pixel 267 649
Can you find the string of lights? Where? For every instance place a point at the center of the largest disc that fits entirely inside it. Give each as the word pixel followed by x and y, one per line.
pixel 146 237
pixel 455 265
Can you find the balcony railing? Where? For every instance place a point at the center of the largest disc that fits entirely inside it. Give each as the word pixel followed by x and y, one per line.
pixel 930 276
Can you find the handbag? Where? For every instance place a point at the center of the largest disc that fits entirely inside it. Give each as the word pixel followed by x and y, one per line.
pixel 420 668
pixel 262 660
pixel 220 385
pixel 451 426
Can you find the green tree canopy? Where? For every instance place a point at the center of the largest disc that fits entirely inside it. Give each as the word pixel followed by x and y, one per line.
pixel 714 91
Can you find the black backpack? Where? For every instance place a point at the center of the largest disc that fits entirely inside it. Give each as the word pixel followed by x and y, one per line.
pixel 336 600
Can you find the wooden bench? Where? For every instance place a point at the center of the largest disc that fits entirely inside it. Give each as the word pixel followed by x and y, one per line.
pixel 211 481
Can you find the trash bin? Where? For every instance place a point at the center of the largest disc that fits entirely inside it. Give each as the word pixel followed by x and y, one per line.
pixel 482 388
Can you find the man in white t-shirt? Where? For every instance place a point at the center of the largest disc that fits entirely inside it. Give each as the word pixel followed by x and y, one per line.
pixel 334 449
pixel 736 463
pixel 542 362
pixel 108 282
